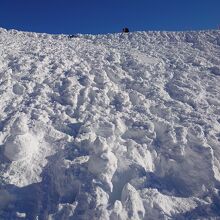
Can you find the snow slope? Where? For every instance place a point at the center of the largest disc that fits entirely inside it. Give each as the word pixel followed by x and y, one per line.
pixel 118 126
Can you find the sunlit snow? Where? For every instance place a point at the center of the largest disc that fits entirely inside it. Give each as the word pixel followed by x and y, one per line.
pixel 110 127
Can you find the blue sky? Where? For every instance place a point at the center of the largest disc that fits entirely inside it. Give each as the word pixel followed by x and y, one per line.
pixel 107 16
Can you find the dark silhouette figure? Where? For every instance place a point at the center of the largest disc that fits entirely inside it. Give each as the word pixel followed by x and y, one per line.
pixel 72 36
pixel 125 30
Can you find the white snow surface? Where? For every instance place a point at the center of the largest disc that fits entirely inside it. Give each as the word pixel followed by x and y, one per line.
pixel 110 127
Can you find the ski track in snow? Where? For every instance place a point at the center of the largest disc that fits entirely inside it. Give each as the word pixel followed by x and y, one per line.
pixel 118 126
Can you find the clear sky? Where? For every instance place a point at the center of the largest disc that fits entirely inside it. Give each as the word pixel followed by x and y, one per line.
pixel 108 16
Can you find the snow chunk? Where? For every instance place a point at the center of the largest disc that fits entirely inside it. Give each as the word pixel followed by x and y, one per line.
pixel 104 166
pixel 170 205
pixel 118 212
pixel 132 202
pixel 20 125
pixel 99 145
pixel 20 146
pixel 21 215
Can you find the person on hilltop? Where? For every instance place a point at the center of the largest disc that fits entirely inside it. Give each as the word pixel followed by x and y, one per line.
pixel 125 30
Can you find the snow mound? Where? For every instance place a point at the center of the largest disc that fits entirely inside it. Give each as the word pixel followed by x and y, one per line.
pixel 20 146
pixel 118 126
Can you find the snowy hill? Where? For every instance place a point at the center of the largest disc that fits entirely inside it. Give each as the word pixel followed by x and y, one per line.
pixel 118 126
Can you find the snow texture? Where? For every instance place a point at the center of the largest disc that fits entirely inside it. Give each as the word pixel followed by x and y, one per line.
pixel 110 127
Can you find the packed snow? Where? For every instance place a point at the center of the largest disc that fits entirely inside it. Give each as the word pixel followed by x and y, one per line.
pixel 110 127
